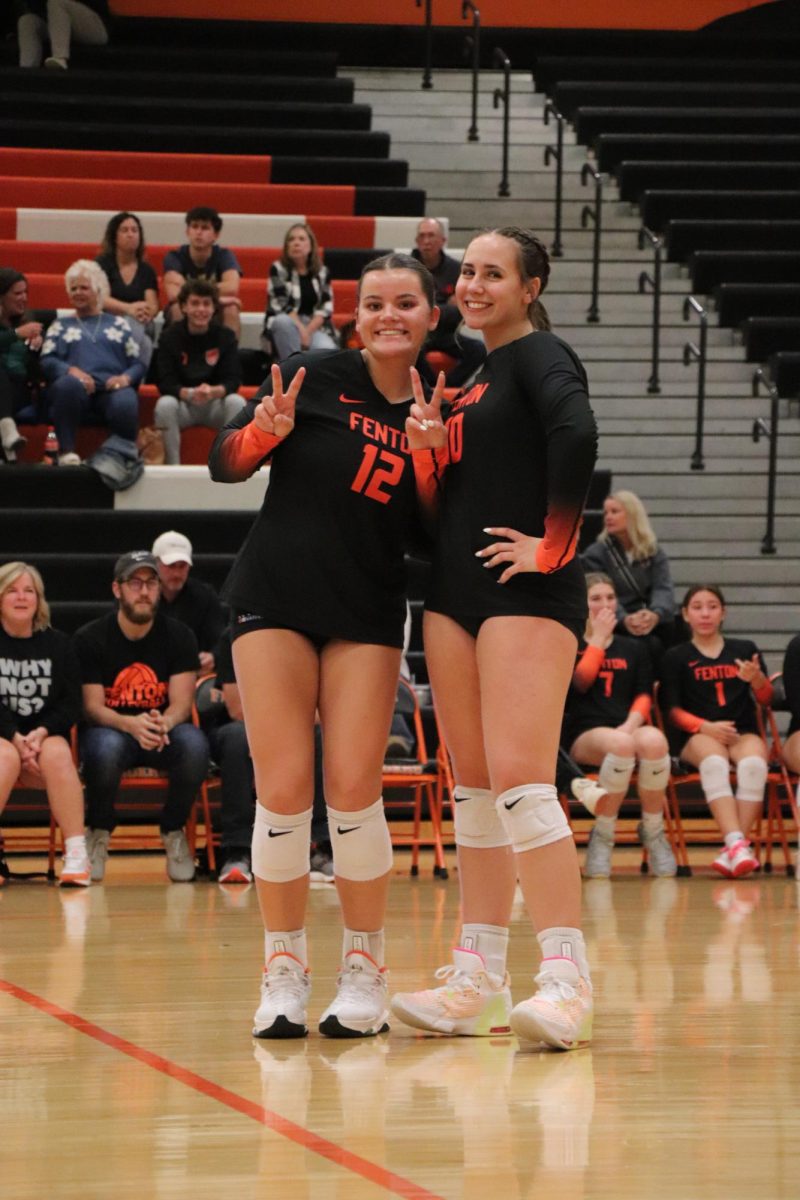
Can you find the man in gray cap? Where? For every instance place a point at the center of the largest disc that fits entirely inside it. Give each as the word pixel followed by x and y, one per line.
pixel 186 598
pixel 138 671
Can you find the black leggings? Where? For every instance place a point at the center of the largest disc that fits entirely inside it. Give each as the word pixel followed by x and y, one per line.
pixel 13 393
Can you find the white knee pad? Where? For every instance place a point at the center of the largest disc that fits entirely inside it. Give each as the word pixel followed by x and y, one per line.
pixel 654 773
pixel 533 816
pixel 476 820
pixel 751 779
pixel 715 776
pixel 615 773
pixel 362 847
pixel 281 845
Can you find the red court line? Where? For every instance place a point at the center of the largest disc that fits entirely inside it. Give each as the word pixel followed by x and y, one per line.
pixel 370 1171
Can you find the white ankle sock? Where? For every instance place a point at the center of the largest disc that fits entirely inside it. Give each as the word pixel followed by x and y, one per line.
pixel 605 827
pixel 286 942
pixel 490 941
pixel 75 844
pixel 732 838
pixel 652 822
pixel 564 942
pixel 372 943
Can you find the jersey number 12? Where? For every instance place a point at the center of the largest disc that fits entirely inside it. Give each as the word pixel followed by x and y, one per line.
pixel 371 478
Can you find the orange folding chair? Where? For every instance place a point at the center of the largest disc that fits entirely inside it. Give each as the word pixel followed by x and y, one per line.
pixel 418 777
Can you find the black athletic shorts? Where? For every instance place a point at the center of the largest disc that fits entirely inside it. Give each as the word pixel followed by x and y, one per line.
pixel 247 622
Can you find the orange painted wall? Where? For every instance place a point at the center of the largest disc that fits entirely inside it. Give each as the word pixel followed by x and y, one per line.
pixel 557 14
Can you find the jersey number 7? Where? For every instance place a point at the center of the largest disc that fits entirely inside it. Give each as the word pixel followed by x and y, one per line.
pixel 371 478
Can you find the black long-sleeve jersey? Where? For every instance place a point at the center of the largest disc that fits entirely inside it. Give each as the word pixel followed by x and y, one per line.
pixel 326 552
pixel 695 688
pixel 791 682
pixel 522 444
pixel 623 680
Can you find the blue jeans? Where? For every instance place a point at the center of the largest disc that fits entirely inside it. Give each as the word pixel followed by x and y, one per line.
pixel 106 753
pixel 70 405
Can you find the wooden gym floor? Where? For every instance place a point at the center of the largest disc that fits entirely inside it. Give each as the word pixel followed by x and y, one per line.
pixel 127 1069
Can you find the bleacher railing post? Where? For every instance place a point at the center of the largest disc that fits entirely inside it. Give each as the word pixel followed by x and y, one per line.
pixel 427 80
pixel 653 281
pixel 474 43
pixel 556 153
pixel 500 59
pixel 691 352
pixel 769 430
pixel 596 215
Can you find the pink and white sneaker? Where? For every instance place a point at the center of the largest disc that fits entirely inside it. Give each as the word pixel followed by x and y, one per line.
pixel 560 1013
pixel 736 860
pixel 472 1002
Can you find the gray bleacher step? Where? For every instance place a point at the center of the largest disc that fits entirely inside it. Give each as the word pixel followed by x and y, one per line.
pixel 675 528
pixel 698 486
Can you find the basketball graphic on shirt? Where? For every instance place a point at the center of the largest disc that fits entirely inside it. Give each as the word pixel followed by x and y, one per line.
pixel 137 686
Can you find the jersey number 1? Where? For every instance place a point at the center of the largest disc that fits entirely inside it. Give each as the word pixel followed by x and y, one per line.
pixel 371 478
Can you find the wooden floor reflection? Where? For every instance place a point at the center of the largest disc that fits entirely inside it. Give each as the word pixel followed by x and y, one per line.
pixel 127 1068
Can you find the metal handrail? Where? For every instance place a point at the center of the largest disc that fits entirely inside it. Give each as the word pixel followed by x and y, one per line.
pixel 698 353
pixel 556 153
pixel 473 43
pixel 427 80
pixel 654 281
pixel 501 59
pixel 768 429
pixel 594 214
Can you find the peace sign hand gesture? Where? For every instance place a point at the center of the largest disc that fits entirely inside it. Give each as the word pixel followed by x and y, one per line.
pixel 425 429
pixel 275 413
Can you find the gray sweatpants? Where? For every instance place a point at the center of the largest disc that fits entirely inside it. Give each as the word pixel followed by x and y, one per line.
pixel 65 19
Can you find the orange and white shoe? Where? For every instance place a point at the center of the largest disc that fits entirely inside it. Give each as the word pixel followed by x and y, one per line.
pixel 359 1006
pixel 77 870
pixel 472 1002
pixel 285 986
pixel 560 1013
pixel 737 860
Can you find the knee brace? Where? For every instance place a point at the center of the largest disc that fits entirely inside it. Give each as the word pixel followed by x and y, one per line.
pixel 615 773
pixel 281 845
pixel 654 773
pixel 362 847
pixel 751 779
pixel 476 820
pixel 533 816
pixel 715 776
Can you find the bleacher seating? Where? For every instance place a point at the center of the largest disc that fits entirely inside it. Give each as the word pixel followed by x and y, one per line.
pixel 634 177
pixel 592 121
pixel 736 302
pixel 709 268
pixel 764 336
pixel 660 205
pixel 685 236
pixel 784 370
pixel 552 69
pixel 613 148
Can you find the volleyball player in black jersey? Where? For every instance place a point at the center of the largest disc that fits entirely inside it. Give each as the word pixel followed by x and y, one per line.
pixel 607 725
pixel 503 617
pixel 709 689
pixel 318 599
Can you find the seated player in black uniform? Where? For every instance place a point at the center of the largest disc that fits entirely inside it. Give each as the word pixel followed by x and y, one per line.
pixel 791 687
pixel 709 689
pixel 318 599
pixel 607 725
pixel 504 612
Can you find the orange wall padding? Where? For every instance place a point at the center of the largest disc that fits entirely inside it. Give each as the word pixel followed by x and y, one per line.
pixel 345 232
pixel 116 164
pixel 566 14
pixel 176 197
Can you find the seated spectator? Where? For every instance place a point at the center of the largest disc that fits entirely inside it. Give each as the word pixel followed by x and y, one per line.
pixel 201 257
pixel 186 598
pixel 58 21
pixel 92 363
pixel 791 688
pixel 19 338
pixel 133 283
pixel 39 704
pixel 468 352
pixel 299 297
pixel 709 689
pixel 198 369
pixel 228 740
pixel 627 551
pixel 607 725
pixel 138 670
